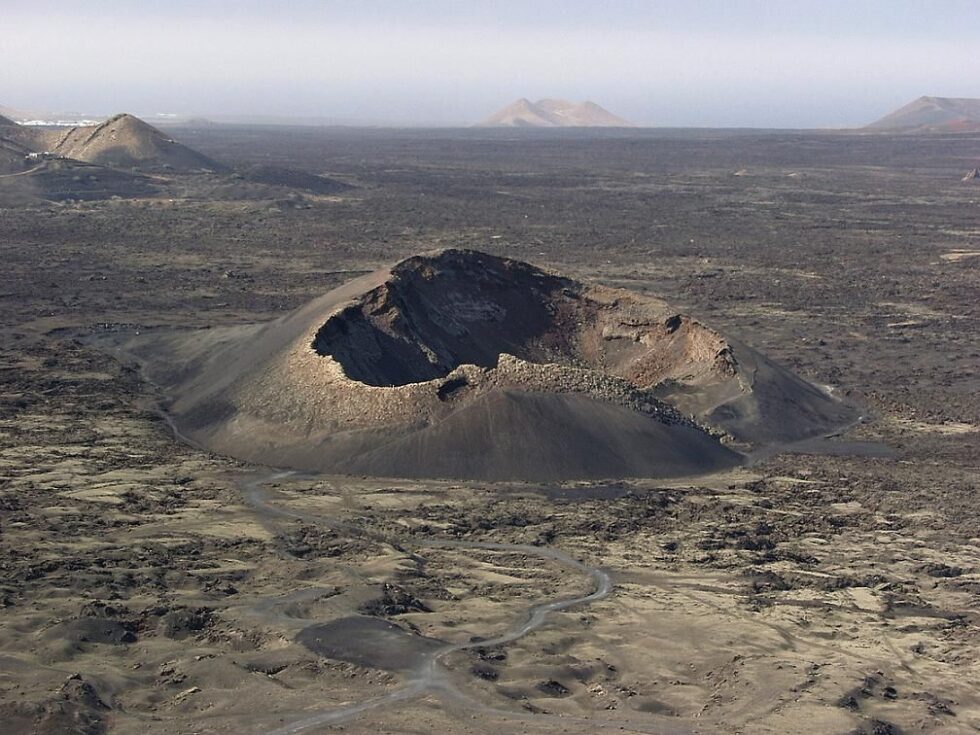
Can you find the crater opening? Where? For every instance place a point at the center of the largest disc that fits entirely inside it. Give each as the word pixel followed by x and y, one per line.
pixel 451 387
pixel 437 313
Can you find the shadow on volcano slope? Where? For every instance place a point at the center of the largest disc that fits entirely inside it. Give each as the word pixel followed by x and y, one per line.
pixel 458 364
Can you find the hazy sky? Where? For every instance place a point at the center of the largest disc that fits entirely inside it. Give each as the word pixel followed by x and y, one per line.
pixel 771 63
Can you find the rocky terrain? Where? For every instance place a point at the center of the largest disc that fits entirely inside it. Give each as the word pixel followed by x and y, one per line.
pixel 151 586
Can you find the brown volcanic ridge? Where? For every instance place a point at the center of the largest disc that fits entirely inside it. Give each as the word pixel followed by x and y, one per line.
pixel 458 364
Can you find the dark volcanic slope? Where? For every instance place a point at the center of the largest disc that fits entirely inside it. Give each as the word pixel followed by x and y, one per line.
pixel 459 364
pixel 511 434
pixel 12 156
pixel 294 179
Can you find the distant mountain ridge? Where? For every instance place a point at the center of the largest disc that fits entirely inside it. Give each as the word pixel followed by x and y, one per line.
pixel 936 114
pixel 554 113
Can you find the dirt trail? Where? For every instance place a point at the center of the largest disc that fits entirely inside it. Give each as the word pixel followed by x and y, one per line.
pixel 428 675
pixel 22 173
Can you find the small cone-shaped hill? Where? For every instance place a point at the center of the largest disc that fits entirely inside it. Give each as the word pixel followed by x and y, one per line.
pixel 463 365
pixel 127 141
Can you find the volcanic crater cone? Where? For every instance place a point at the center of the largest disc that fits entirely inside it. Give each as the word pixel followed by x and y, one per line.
pixel 458 364
pixel 126 141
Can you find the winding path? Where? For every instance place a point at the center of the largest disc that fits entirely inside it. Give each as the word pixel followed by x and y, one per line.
pixel 22 173
pixel 429 676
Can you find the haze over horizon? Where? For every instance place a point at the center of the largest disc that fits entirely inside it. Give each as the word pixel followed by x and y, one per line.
pixel 434 62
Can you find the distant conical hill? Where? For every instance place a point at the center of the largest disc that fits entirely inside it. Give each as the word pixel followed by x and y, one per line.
pixel 554 113
pixel 933 114
pixel 126 141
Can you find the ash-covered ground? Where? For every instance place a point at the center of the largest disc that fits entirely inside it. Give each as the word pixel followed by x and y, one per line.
pixel 150 587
